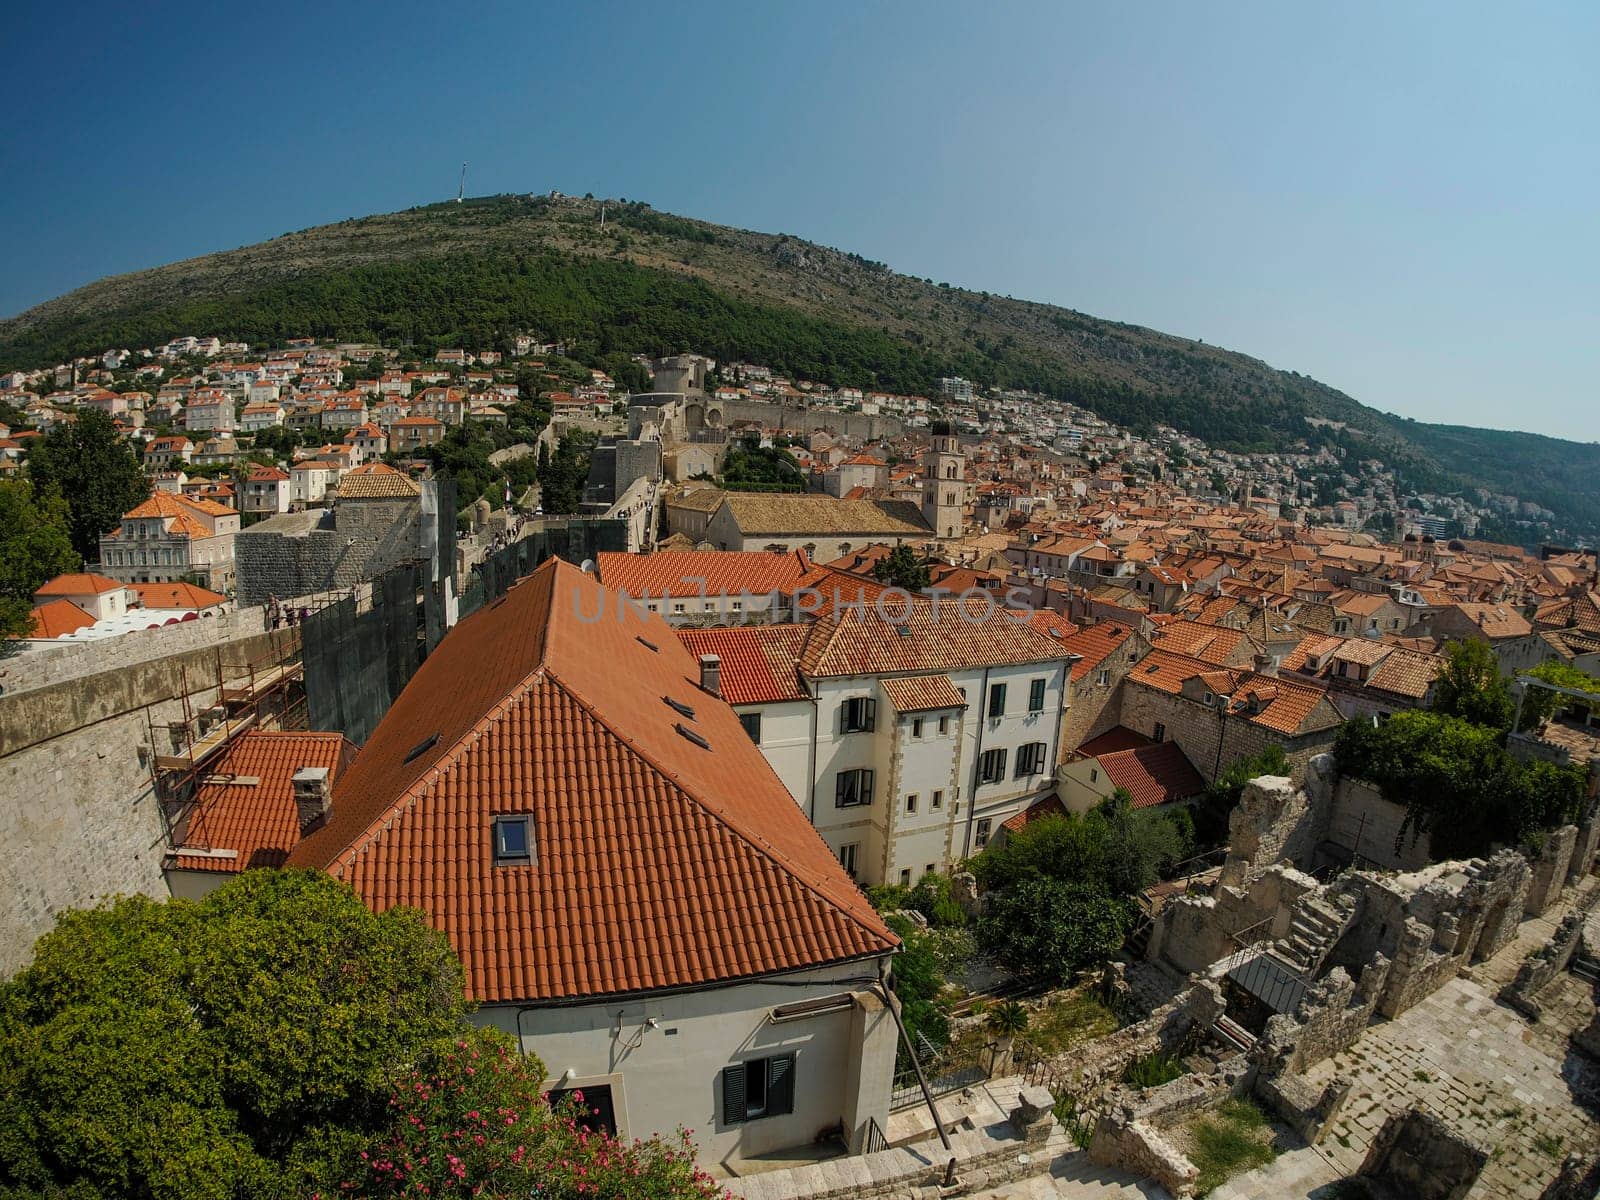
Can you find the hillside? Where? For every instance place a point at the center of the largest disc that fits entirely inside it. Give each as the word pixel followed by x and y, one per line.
pixel 453 274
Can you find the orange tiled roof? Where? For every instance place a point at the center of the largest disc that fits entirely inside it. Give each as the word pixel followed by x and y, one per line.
pixel 949 635
pixel 1285 704
pixel 679 573
pixel 1050 806
pixel 1094 644
pixel 81 583
pixel 923 693
pixel 1214 644
pixel 258 821
pixel 177 595
pixel 758 661
pixel 1157 774
pixel 666 852
pixel 57 618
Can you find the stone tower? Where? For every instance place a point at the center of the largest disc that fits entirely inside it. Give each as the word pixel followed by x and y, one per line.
pixel 943 484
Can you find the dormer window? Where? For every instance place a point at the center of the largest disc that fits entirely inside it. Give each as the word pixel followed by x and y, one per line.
pixel 513 841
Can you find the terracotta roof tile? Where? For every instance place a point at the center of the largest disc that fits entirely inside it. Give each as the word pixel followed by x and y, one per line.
pixel 922 636
pixel 1157 774
pixel 1095 644
pixel 258 821
pixel 923 693
pixel 57 618
pixel 1050 806
pixel 680 573
pixel 759 662
pixel 658 862
pixel 81 583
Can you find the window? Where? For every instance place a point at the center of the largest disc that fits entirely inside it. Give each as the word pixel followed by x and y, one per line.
pixel 513 841
pixel 752 725
pixel 679 608
pixel 1030 759
pixel 936 801
pixel 928 870
pixel 852 789
pixel 859 714
pixel 762 1087
pixel 911 803
pixel 847 858
pixel 1161 732
pixel 1104 678
pixel 905 877
pixel 597 1113
pixel 916 727
pixel 984 825
pixel 1210 699
pixel 1036 696
pixel 944 726
pixel 992 766
pixel 997 699
pixel 1094 775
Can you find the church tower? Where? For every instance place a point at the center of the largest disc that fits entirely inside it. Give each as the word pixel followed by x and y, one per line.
pixel 943 483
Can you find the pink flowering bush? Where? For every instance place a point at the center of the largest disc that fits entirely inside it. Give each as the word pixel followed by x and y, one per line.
pixel 475 1123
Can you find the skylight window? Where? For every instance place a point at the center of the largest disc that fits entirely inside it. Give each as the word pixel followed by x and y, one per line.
pixel 678 706
pixel 423 746
pixel 692 736
pixel 646 643
pixel 513 840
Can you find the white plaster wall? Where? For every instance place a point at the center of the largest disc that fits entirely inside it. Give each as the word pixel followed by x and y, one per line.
pixel 669 1074
pixel 923 765
pixel 786 735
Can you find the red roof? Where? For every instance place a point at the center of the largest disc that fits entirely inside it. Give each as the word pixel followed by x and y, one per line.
pixel 1095 644
pixel 758 661
pixel 82 583
pixel 1050 806
pixel 57 618
pixel 679 573
pixel 923 693
pixel 1118 737
pixel 254 815
pixel 177 595
pixel 666 852
pixel 1152 775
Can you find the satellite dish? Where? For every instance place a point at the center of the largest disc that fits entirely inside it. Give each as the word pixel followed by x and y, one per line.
pixel 588 566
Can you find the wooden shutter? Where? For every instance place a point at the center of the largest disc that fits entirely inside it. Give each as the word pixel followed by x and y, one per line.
pixel 780 1085
pixel 733 1108
pixel 866 787
pixel 839 785
pixel 871 722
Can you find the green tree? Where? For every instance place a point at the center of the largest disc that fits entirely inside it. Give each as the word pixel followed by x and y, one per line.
pixel 901 568
pixel 1048 930
pixel 919 986
pixel 474 1122
pixel 1139 846
pixel 215 1049
pixel 1471 686
pixel 1539 703
pixel 93 466
pixel 34 547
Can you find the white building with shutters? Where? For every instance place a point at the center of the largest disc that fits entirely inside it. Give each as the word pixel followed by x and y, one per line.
pixel 907 742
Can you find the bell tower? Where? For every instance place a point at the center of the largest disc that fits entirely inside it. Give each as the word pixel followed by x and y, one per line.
pixel 944 486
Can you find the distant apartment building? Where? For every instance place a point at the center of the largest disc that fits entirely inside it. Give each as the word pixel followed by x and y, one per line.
pixel 169 537
pixel 907 743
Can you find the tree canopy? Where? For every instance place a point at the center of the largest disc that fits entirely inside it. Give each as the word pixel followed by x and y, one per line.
pixel 92 466
pixel 901 568
pixel 1471 686
pixel 34 547
pixel 275 1040
pixel 1457 781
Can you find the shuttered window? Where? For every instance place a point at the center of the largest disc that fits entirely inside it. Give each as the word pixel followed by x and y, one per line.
pixel 858 715
pixel 1036 696
pixel 762 1087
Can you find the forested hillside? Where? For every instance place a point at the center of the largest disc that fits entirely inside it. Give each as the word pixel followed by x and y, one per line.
pixel 468 274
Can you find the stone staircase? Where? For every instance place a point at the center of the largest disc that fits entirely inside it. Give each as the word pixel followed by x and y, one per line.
pixel 1317 922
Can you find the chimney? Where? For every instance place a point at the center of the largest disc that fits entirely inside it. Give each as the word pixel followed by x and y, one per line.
pixel 1265 665
pixel 711 674
pixel 313 796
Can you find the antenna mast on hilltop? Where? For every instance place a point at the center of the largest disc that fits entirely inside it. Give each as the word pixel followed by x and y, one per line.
pixel 462 190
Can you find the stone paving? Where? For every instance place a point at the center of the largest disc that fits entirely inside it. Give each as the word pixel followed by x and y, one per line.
pixel 1515 1087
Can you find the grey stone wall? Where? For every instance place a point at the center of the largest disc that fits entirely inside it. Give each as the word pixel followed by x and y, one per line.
pixel 1211 743
pixel 42 668
pixel 298 554
pixel 1362 823
pixel 79 821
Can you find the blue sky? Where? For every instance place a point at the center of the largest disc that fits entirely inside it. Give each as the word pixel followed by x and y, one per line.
pixel 1401 200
